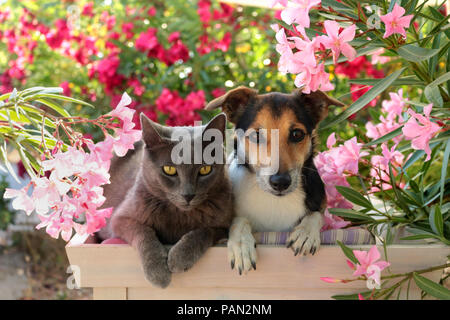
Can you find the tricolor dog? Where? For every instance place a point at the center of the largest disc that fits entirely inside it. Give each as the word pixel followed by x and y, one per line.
pixel 291 198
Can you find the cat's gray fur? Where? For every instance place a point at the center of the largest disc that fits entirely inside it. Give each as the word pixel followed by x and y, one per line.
pixel 150 210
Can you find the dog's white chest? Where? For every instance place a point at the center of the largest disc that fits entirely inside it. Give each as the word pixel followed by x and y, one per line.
pixel 265 211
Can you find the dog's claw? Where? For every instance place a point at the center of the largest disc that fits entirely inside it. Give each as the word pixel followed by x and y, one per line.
pixel 305 238
pixel 232 264
pixel 301 248
pixel 254 265
pixel 240 271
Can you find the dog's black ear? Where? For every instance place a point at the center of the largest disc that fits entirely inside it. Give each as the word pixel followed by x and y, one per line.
pixel 317 103
pixel 233 102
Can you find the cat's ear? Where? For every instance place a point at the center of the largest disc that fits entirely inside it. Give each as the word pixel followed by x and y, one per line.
pixel 219 122
pixel 150 132
pixel 233 102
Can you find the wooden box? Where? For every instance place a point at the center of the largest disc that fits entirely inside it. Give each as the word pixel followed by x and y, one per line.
pixel 114 272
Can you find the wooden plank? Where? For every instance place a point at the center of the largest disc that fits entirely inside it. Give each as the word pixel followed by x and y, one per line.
pixel 225 293
pixel 119 266
pixel 110 293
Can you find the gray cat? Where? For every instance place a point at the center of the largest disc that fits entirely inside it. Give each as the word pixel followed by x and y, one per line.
pixel 158 202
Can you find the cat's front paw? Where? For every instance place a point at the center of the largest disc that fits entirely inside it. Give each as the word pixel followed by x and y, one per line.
pixel 158 274
pixel 242 251
pixel 305 238
pixel 180 258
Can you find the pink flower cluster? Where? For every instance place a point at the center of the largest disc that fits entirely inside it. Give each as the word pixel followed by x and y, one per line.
pixel 68 196
pixel 420 129
pixel 392 118
pixel 305 57
pixel 369 266
pixel 334 166
pixel 380 167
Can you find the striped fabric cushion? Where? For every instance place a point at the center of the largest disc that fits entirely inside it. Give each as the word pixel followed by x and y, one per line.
pixel 355 236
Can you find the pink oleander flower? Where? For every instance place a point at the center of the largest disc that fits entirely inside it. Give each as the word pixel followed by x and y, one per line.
pixel 348 155
pixel 338 42
pixel 331 141
pixel 314 78
pixel 392 156
pixel 22 201
pixel 369 265
pixel 125 136
pixel 395 22
pixel 395 106
pixel 330 173
pixel 422 131
pixel 332 221
pixel 380 170
pixel 378 58
pixel 383 128
pixel 298 12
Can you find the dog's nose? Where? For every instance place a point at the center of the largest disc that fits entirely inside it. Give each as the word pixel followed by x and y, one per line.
pixel 280 181
pixel 188 197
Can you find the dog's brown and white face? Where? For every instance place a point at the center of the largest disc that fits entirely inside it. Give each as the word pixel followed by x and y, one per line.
pixel 290 119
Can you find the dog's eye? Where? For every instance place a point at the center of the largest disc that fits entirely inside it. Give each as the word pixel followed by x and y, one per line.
pixel 296 135
pixel 169 170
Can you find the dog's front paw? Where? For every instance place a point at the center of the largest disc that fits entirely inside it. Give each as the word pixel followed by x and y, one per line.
pixel 157 273
pixel 306 237
pixel 242 251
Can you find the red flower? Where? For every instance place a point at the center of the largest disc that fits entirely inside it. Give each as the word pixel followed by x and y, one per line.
pixel 147 40
pixel 127 28
pixel 139 89
pixel 218 92
pixel 58 35
pixel 151 11
pixel 87 9
pixel 178 51
pixel 204 11
pixel 224 44
pixel 66 89
pixel 109 20
pixel 174 36
pixel 357 90
pixel 181 112
pixel 353 69
pixel 107 72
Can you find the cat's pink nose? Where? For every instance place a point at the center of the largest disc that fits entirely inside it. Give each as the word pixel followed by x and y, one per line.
pixel 188 197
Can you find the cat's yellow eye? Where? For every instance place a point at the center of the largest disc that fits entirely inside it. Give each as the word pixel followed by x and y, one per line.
pixel 205 170
pixel 169 170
